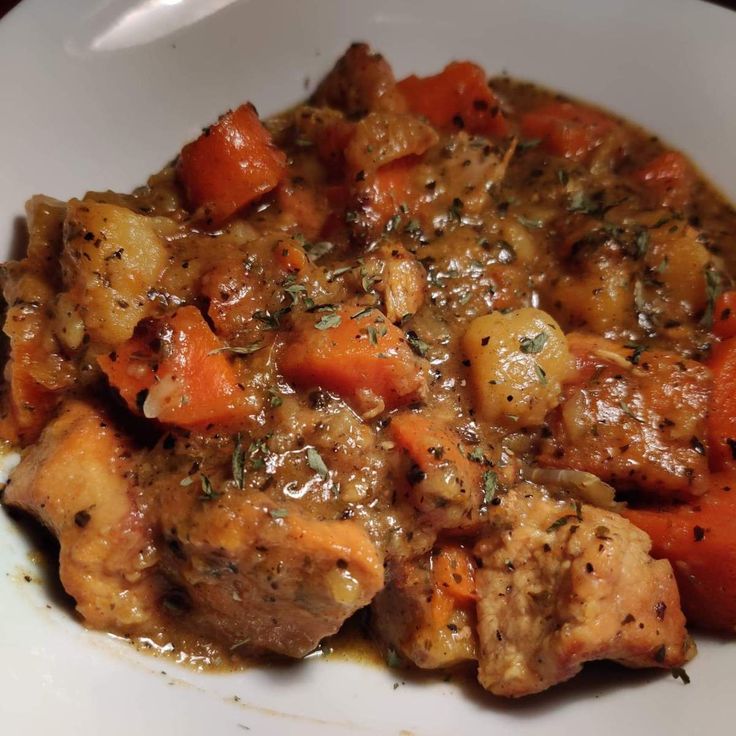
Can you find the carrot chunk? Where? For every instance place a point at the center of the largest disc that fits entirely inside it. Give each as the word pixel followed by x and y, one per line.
pixel 566 129
pixel 699 539
pixel 722 408
pixel 442 481
pixel 453 569
pixel 669 177
pixel 171 370
pixel 724 315
pixel 457 98
pixel 231 164
pixel 357 353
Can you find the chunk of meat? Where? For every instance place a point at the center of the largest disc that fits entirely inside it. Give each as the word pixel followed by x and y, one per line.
pixel 413 617
pixel 634 418
pixel 561 585
pixel 37 369
pixel 262 577
pixel 79 481
pixel 112 258
pixel 361 81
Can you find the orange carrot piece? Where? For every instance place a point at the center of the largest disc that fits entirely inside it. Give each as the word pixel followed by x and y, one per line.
pixel 355 352
pixel 430 445
pixel 699 539
pixel 566 129
pixel 290 257
pixel 669 177
pixel 457 98
pixel 722 409
pixel 724 315
pixel 453 569
pixel 231 164
pixel 172 371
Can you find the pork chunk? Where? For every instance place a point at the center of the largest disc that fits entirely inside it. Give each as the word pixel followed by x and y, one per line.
pixel 361 81
pixel 78 481
pixel 560 585
pixel 265 578
pixel 635 418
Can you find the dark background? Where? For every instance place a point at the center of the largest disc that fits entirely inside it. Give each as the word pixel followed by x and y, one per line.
pixel 6 5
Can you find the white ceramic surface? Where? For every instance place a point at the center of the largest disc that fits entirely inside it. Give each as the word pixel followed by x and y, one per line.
pixel 97 94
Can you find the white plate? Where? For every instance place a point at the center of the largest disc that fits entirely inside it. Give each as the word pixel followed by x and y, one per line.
pixel 99 94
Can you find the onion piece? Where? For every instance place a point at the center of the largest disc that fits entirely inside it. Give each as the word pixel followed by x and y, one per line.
pixel 584 486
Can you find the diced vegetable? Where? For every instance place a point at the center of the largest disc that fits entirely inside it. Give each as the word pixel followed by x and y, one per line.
pixel 231 164
pixel 453 568
pixel 669 177
pixel 381 138
pixel 699 539
pixel 722 409
pixel 387 189
pixel 457 98
pixel 566 129
pixel 517 362
pixel 442 480
pixel 355 352
pixel 724 315
pixel 175 370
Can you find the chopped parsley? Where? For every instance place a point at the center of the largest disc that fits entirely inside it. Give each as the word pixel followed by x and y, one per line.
pixel 328 321
pixel 238 349
pixel 316 463
pixel 238 462
pixel 416 344
pixel 490 486
pixel 541 374
pixel 208 492
pixel 712 290
pixel 533 345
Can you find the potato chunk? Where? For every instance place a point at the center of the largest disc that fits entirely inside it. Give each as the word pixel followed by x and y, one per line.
pixel 111 259
pixel 517 363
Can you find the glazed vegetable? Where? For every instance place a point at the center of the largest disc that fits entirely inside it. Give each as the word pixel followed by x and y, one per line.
pixel 231 164
pixel 355 352
pixel 724 315
pixel 175 370
pixel 669 177
pixel 722 407
pixel 517 362
pixel 453 569
pixel 699 539
pixel 441 480
pixel 566 129
pixel 458 98
pixel 112 258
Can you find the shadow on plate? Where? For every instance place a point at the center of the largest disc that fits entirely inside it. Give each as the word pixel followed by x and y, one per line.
pixel 45 556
